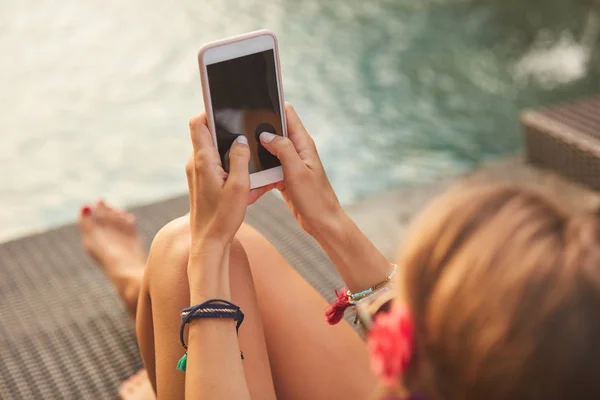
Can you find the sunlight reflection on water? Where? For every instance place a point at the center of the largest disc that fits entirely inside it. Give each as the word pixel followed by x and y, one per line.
pixel 96 95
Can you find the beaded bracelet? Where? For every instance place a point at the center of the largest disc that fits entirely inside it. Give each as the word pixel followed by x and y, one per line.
pixel 214 308
pixel 371 290
pixel 345 298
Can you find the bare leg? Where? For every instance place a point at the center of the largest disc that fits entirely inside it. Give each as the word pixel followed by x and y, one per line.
pixel 109 237
pixel 165 292
pixel 307 357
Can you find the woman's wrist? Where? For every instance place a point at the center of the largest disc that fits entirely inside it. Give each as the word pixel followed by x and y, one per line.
pixel 203 248
pixel 207 286
pixel 330 223
pixel 208 272
pixel 358 261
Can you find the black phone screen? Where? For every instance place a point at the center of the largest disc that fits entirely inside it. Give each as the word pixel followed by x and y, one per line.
pixel 245 101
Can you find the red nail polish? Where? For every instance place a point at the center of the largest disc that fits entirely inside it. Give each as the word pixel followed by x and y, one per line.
pixel 86 211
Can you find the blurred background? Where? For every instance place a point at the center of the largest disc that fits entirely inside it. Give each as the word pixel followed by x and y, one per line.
pixel 95 96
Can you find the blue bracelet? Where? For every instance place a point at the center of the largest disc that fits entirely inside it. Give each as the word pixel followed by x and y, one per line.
pixel 214 308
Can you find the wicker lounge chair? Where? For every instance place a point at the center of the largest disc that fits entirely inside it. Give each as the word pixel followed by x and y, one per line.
pixel 64 333
pixel 566 139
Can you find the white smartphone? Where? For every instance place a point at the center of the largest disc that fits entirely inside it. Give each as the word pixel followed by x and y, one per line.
pixel 243 95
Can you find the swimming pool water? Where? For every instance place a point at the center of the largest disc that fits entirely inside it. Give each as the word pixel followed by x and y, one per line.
pixel 96 95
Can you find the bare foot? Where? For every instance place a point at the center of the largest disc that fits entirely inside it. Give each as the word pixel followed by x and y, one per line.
pixel 109 237
pixel 137 387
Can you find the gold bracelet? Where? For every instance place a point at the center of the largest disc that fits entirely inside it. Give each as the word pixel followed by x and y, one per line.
pixel 354 297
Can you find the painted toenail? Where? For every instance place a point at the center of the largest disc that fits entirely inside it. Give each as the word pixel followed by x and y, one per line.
pixel 86 211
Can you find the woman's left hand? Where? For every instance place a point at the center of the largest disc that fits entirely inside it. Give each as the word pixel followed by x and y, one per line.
pixel 218 200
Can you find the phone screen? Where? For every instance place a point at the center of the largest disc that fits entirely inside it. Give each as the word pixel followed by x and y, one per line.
pixel 245 101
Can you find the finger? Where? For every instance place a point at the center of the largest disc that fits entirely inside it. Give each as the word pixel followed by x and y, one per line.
pixel 239 157
pixel 280 185
pixel 189 173
pixel 206 158
pixel 202 140
pixel 282 148
pixel 189 169
pixel 257 193
pixel 198 125
pixel 297 132
pixel 221 173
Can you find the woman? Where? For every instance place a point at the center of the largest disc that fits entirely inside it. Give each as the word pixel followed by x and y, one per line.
pixel 501 291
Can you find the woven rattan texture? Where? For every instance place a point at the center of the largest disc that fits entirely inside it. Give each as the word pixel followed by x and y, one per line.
pixel 566 139
pixel 64 333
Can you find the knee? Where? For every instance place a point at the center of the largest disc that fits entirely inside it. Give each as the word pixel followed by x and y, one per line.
pixel 169 254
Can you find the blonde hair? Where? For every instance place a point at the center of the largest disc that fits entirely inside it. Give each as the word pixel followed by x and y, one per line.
pixel 504 288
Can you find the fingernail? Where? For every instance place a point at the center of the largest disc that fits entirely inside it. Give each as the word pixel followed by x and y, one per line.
pixel 86 211
pixel 267 137
pixel 241 139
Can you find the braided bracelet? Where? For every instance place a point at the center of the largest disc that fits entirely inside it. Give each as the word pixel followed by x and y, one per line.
pixel 214 308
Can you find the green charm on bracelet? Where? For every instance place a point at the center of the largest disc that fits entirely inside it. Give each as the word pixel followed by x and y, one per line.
pixel 182 364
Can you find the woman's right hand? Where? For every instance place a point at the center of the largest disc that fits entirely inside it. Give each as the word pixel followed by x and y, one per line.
pixel 313 202
pixel 305 187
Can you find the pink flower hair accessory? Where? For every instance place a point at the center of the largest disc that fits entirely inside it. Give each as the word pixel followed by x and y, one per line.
pixel 390 344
